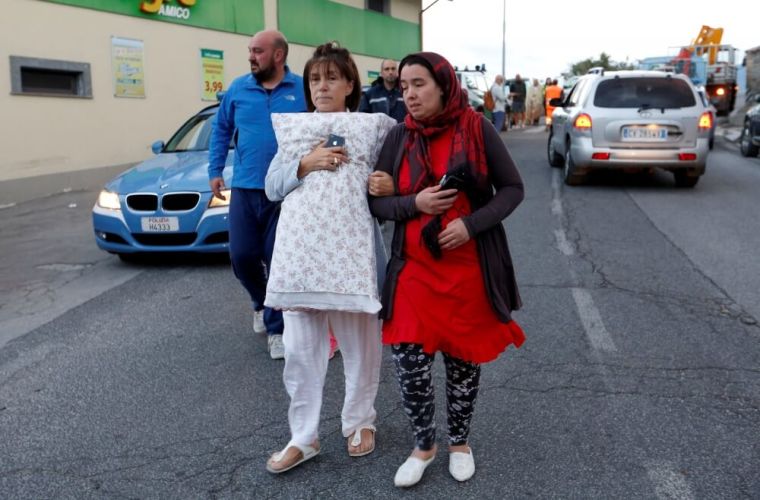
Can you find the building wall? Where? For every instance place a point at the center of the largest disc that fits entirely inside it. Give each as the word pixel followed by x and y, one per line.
pixel 42 135
pixel 408 10
pixel 364 32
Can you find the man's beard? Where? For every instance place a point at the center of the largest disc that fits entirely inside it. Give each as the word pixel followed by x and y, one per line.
pixel 263 74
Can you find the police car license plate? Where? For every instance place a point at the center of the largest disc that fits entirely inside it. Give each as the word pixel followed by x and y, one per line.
pixel 159 224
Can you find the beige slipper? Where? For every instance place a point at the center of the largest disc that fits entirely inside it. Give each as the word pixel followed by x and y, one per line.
pixel 355 440
pixel 304 453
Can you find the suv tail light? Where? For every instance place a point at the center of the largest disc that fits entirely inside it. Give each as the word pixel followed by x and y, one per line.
pixel 706 121
pixel 582 122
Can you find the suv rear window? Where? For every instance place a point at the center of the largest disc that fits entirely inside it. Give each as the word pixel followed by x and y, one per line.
pixel 644 93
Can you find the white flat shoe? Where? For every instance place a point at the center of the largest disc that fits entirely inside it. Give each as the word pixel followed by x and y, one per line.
pixel 411 471
pixel 461 465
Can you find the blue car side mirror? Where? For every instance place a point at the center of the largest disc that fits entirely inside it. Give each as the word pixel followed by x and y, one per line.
pixel 157 147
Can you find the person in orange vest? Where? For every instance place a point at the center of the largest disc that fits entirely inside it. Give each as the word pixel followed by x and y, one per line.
pixel 553 91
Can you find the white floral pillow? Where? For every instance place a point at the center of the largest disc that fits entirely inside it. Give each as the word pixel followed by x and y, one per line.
pixel 324 253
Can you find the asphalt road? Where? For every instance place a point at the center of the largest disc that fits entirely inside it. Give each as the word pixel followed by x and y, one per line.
pixel 640 377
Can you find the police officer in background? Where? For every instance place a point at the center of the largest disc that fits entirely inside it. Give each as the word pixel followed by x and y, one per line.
pixel 384 96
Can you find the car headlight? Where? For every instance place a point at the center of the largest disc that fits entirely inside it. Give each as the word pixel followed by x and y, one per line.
pixel 218 202
pixel 109 200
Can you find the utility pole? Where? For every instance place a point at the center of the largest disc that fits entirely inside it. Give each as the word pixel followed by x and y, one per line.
pixel 420 17
pixel 504 40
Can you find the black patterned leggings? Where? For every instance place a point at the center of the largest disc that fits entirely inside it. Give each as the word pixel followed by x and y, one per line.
pixel 414 371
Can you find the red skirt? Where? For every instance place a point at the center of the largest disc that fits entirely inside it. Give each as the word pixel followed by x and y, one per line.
pixel 442 304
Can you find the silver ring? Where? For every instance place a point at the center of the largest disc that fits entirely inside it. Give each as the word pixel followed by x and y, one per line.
pixel 335 160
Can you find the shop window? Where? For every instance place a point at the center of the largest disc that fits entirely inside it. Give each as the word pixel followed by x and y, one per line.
pixel 381 6
pixel 49 77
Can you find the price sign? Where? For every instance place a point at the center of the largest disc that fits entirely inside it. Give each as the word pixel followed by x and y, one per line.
pixel 212 73
pixel 128 69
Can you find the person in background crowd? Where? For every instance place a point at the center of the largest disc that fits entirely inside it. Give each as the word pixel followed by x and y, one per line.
pixel 534 102
pixel 384 96
pixel 509 121
pixel 500 103
pixel 244 113
pixel 328 256
pixel 546 84
pixel 553 91
pixel 518 91
pixel 450 284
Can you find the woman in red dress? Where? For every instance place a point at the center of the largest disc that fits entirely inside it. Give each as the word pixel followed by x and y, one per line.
pixel 450 285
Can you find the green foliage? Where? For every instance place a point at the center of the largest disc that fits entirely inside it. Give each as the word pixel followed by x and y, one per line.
pixel 604 61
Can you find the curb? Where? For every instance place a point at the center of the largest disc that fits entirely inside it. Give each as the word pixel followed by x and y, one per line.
pixel 730 134
pixel 17 191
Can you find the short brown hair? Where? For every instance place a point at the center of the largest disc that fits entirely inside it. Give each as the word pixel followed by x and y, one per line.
pixel 332 54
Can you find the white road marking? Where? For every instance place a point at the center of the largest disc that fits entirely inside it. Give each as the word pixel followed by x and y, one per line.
pixel 592 322
pixel 669 483
pixel 590 317
pixel 564 246
pixel 557 208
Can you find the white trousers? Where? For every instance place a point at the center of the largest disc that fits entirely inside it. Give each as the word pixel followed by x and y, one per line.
pixel 307 346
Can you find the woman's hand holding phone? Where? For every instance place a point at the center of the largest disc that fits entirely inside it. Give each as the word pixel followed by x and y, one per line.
pixel 322 157
pixel 433 200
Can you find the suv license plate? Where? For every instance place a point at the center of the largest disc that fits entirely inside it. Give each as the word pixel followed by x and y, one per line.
pixel 645 134
pixel 159 224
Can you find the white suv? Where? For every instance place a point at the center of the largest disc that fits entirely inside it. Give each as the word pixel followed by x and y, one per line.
pixel 632 120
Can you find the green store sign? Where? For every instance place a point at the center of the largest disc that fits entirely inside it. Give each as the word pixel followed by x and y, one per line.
pixel 236 16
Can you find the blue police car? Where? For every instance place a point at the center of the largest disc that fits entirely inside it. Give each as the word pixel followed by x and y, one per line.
pixel 164 204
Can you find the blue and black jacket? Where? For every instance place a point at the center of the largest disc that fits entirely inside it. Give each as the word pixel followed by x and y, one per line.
pixel 378 99
pixel 245 113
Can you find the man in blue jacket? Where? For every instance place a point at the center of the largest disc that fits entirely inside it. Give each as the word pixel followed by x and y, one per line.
pixel 245 115
pixel 384 96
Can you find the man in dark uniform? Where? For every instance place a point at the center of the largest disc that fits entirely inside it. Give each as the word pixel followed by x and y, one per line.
pixel 384 96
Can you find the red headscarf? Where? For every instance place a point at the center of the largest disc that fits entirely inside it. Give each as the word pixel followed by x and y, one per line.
pixel 467 144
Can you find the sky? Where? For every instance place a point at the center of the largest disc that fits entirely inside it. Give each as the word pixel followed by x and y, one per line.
pixel 544 37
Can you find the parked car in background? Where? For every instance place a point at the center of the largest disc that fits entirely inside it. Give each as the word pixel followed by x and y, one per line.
pixel 749 141
pixel 164 204
pixel 631 120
